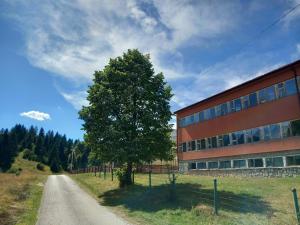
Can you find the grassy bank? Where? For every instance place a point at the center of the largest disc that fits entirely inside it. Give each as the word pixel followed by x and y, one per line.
pixel 242 200
pixel 20 195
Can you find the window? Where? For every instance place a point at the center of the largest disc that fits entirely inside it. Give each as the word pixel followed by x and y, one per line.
pixel 212 113
pixel 248 136
pixel 255 163
pixel 245 100
pixel 212 165
pixel 198 144
pixel 267 94
pixel 252 99
pixel 220 141
pixel 180 147
pixel 182 122
pixel 193 166
pixel 214 142
pixel 208 142
pixel 293 160
pixel 207 114
pixel 203 144
pixel 184 146
pixel 218 110
pixel 239 163
pixel 290 87
pixel 196 117
pixel 295 127
pixel 286 129
pixel 193 145
pixel 225 164
pixel 236 105
pixel 201 116
pixel 224 109
pixel 240 137
pixel 256 134
pixel 233 138
pixel 274 162
pixel 275 131
pixel 190 119
pixel 226 140
pixel 201 165
pixel 267 133
pixel 280 90
pixel 189 146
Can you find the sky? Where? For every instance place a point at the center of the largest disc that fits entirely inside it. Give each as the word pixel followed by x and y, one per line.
pixel 49 50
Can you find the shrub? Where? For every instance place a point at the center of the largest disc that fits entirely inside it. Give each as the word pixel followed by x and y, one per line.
pixel 121 175
pixel 29 154
pixel 15 170
pixel 55 167
pixel 40 166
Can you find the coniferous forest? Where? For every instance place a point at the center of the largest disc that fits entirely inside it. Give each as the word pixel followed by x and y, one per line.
pixel 49 148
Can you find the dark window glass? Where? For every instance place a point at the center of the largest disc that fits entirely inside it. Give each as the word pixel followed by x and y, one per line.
pixel 196 117
pixel 267 94
pixel 218 110
pixel 295 127
pixel 212 165
pixel 201 165
pixel 256 134
pixel 214 142
pixel 234 138
pixel 280 90
pixel 293 160
pixel 267 133
pixel 191 119
pixel 239 163
pixel 189 146
pixel 224 164
pixel 220 141
pixel 240 137
pixel 212 112
pixel 182 122
pixel 201 116
pixel 203 144
pixel 208 142
pixel 198 144
pixel 248 136
pixel 286 129
pixel 275 131
pixel 290 87
pixel 184 147
pixel 193 166
pixel 207 114
pixel 193 145
pixel 224 109
pixel 274 162
pixel 253 99
pixel 238 104
pixel 245 102
pixel 255 163
pixel 226 140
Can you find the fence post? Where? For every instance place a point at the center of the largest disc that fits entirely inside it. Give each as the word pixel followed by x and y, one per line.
pixel 132 176
pixel 296 204
pixel 112 174
pixel 215 197
pixel 150 179
pixel 104 172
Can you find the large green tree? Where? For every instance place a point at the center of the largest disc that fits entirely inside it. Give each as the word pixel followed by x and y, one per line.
pixel 127 119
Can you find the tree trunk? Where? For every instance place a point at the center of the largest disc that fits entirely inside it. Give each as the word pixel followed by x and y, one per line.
pixel 128 180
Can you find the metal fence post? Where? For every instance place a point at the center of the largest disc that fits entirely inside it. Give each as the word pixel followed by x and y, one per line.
pixel 215 197
pixel 296 204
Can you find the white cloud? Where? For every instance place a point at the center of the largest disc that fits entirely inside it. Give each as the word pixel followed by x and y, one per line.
pixel 36 115
pixel 77 99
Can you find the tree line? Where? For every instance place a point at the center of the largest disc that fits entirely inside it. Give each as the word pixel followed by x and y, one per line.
pixel 49 148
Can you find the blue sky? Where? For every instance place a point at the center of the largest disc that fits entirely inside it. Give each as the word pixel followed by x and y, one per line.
pixel 50 49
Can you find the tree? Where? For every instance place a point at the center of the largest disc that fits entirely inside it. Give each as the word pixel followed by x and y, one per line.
pixel 127 119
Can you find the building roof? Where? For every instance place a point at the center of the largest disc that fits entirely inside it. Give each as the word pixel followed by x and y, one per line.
pixel 241 85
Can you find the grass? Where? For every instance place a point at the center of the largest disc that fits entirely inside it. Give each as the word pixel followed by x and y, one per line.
pixel 20 195
pixel 242 200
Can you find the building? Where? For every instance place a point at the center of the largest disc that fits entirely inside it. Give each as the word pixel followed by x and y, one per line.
pixel 255 125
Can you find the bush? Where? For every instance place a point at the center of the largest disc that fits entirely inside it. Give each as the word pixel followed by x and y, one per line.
pixel 29 154
pixel 55 167
pixel 121 175
pixel 15 170
pixel 40 166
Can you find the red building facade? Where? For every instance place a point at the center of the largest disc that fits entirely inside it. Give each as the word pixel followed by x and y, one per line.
pixel 253 125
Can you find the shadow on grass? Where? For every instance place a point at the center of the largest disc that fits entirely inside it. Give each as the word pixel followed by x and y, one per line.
pixel 188 196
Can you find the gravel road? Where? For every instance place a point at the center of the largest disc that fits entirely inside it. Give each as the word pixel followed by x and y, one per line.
pixel 65 203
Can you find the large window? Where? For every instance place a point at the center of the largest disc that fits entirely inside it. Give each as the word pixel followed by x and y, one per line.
pixel 233 138
pixel 214 142
pixel 207 114
pixel 280 90
pixel 189 146
pixel 224 109
pixel 212 165
pixel 286 129
pixel 245 102
pixel 274 162
pixel 226 140
pixel 184 146
pixel 201 165
pixel 198 144
pixel 240 137
pixel 193 145
pixel 248 136
pixel 275 131
pixel 267 94
pixel 201 116
pixel 267 133
pixel 255 163
pixel 290 87
pixel 239 163
pixel 236 105
pixel 220 141
pixel 295 125
pixel 218 110
pixel 225 164
pixel 208 142
pixel 193 166
pixel 256 134
pixel 252 99
pixel 293 160
pixel 203 144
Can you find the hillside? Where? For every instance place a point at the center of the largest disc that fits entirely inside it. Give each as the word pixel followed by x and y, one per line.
pixel 21 190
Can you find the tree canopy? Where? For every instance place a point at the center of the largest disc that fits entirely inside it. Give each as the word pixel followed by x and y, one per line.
pixel 127 120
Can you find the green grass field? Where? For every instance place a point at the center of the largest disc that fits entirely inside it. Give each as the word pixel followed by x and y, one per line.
pixel 242 200
pixel 20 195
